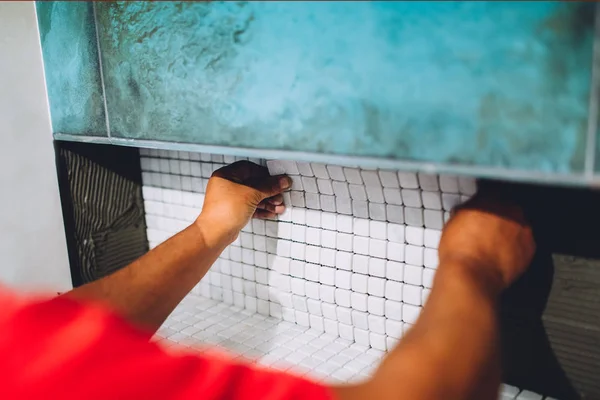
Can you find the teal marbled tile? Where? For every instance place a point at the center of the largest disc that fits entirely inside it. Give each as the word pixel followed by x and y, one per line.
pixel 72 69
pixel 474 83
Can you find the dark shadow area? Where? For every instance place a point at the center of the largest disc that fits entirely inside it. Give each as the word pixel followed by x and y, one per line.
pixel 550 318
pixel 103 209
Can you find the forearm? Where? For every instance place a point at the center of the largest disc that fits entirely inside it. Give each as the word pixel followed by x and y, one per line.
pixel 146 291
pixel 452 350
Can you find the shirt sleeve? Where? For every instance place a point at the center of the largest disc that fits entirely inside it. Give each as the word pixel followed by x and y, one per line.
pixel 62 348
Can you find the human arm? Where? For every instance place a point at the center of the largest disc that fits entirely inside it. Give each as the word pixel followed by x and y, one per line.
pixel 452 352
pixel 146 291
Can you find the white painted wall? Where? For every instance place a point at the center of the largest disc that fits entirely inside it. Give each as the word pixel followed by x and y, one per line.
pixel 33 252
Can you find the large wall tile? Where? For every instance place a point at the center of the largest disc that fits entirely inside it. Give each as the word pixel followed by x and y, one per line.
pixel 70 51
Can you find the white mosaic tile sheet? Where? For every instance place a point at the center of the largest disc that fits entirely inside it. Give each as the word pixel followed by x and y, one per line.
pixel 199 323
pixel 353 257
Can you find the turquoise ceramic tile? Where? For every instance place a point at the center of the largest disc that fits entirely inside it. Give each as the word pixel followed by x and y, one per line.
pixel 476 83
pixel 71 64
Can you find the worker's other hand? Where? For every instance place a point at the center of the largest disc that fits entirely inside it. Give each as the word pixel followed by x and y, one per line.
pixel 489 232
pixel 238 192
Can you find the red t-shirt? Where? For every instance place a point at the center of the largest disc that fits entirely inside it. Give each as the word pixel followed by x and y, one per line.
pixel 60 348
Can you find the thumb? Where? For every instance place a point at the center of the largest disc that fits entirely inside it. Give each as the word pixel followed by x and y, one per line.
pixel 272 185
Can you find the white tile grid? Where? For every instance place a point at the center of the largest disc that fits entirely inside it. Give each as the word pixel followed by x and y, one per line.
pixel 353 257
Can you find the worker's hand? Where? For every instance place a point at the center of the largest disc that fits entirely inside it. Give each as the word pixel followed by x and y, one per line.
pixel 489 232
pixel 236 193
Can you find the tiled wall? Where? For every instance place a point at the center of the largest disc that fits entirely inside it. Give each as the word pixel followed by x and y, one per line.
pixel 354 255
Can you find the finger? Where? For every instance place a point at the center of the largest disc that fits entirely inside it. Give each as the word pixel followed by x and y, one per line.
pixel 241 171
pixel 263 214
pixel 271 186
pixel 276 200
pixel 265 205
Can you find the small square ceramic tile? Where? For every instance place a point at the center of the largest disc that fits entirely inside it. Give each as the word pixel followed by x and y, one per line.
pixel 377 248
pixel 296 182
pixel 314 305
pixel 327 203
pixel 344 241
pixel 311 272
pixel 428 182
pixel 377 267
pixel 290 167
pixel 361 227
pixel 359 283
pixel 353 175
pixel 298 233
pixel 320 170
pixel 328 221
pixel 346 331
pixel 299 215
pixel 283 248
pixel 357 192
pixel 285 230
pixel 467 185
pixel 432 200
pixel 344 315
pixel 433 219
pixel 395 251
pixel 344 223
pixel 310 184
pixel 408 180
pixel 432 238
pixel 412 294
pixel 392 196
pixel 343 260
pixel 370 178
pixel 297 268
pixel 327 293
pixel 378 229
pixel 343 205
pixel 428 275
pixel 313 236
pixel 449 183
pixel 360 319
pixel 393 310
pixel 389 179
pixel 313 218
pixel 331 327
pixel 340 189
pixel 328 239
pixel 361 245
pixel 297 287
pixel 377 211
pixel 377 324
pixel 328 257
pixel 394 270
pixel 329 310
pixel 359 300
pixel 393 328
pixel 360 264
pixel 298 251
pixel 430 258
pixel 376 286
pixel 342 297
pixel 297 199
pixel 343 279
pixel 412 197
pixel 275 167
pixel 393 290
pixel 374 194
pixel 410 313
pixel 395 233
pixel 324 186
pixel 312 292
pixel 414 235
pixel 413 275
pixel 413 216
pixel 304 169
pixel 375 305
pixel 361 336
pixel 336 172
pixel 327 275
pixel 394 213
pixel 449 201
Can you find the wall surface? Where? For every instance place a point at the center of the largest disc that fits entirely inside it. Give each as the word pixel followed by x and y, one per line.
pixel 33 251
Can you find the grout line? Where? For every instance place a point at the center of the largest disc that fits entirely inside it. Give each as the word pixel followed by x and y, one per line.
pixel 352 161
pixel 592 128
pixel 101 72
